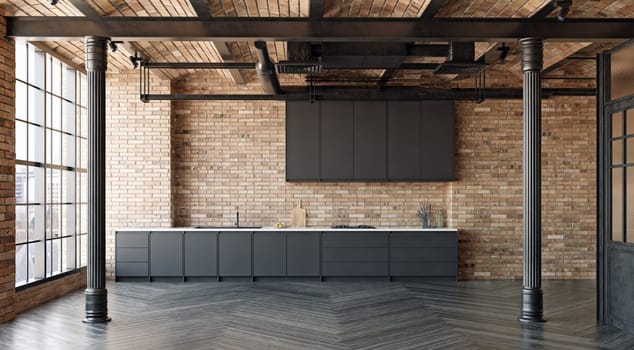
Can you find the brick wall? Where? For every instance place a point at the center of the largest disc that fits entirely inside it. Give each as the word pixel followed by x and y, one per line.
pixel 137 158
pixel 7 174
pixel 33 296
pixel 486 202
pixel 229 155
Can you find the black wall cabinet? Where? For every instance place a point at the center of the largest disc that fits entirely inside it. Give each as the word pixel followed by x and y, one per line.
pixel 370 141
pixel 337 140
pixel 302 141
pixel 403 141
pixel 438 149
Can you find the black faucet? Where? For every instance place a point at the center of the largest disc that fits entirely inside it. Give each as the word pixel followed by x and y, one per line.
pixel 237 223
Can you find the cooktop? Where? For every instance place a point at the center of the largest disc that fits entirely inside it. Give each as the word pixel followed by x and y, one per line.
pixel 353 226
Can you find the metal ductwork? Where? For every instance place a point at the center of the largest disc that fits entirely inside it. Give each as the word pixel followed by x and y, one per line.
pixel 266 70
pixel 460 60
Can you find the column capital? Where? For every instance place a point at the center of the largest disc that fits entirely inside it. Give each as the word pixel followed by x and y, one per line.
pixel 96 53
pixel 532 54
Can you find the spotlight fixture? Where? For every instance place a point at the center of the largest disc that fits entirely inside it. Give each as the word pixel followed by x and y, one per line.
pixel 135 60
pixel 113 45
pixel 54 2
pixel 565 9
pixel 504 52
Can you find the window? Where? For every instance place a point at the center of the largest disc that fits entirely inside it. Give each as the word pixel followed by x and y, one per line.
pixel 50 173
pixel 622 178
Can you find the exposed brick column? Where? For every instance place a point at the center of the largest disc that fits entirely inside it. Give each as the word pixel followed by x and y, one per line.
pixel 7 174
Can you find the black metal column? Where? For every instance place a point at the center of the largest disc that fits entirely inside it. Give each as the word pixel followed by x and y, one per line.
pixel 96 292
pixel 532 299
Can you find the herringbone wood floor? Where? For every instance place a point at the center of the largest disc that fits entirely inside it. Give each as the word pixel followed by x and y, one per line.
pixel 313 315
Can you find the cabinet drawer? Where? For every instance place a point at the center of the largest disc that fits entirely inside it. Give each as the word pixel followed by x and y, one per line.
pixel 423 254
pixel 132 269
pixel 132 255
pixel 423 239
pixel 354 254
pixel 424 269
pixel 132 239
pixel 354 269
pixel 354 239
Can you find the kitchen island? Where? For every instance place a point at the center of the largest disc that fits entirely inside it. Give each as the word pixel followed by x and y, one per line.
pixel 187 253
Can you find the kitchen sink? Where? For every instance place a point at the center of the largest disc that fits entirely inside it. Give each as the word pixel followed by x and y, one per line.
pixel 229 227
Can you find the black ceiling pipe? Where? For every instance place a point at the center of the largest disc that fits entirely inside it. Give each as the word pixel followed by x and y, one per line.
pixel 266 70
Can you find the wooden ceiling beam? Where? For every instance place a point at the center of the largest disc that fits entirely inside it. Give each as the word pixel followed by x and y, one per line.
pixel 201 7
pixel 202 11
pixel 432 8
pixel 316 9
pixel 545 10
pixel 335 29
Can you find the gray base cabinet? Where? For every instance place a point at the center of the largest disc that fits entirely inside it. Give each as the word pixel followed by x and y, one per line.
pixel 234 254
pixel 269 254
pixel 166 254
pixel 131 254
pixel 355 254
pixel 433 254
pixel 302 254
pixel 201 254
pixel 281 253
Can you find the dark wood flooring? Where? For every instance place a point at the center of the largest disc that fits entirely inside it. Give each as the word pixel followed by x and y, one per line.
pixel 313 315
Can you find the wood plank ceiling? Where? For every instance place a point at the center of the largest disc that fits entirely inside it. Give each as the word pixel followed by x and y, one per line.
pixel 555 53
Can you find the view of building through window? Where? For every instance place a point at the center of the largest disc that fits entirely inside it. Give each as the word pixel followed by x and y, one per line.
pixel 50 191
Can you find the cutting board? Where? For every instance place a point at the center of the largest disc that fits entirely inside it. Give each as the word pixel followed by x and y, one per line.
pixel 298 216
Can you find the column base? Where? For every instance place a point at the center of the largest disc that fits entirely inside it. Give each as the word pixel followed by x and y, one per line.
pixel 96 305
pixel 532 305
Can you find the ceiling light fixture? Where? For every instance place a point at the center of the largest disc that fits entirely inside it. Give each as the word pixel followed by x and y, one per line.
pixel 135 60
pixel 504 52
pixel 113 45
pixel 565 9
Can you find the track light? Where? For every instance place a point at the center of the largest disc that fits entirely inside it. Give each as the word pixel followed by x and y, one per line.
pixel 504 52
pixel 565 9
pixel 54 2
pixel 135 60
pixel 113 45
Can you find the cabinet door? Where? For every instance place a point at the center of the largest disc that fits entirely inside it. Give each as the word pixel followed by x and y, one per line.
pixel 200 254
pixel 302 141
pixel 438 140
pixel 337 140
pixel 370 140
pixel 302 254
pixel 166 254
pixel 269 254
pixel 234 253
pixel 403 140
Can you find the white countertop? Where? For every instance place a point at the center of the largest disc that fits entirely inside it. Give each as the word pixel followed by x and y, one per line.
pixel 271 228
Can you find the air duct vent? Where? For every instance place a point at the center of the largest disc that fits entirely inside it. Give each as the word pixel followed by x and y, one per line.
pixel 295 67
pixel 460 68
pixel 460 60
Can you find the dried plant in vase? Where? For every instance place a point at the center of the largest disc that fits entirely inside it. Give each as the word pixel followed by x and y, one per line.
pixel 424 214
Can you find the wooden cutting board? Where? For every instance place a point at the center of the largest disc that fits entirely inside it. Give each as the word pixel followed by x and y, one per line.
pixel 298 216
